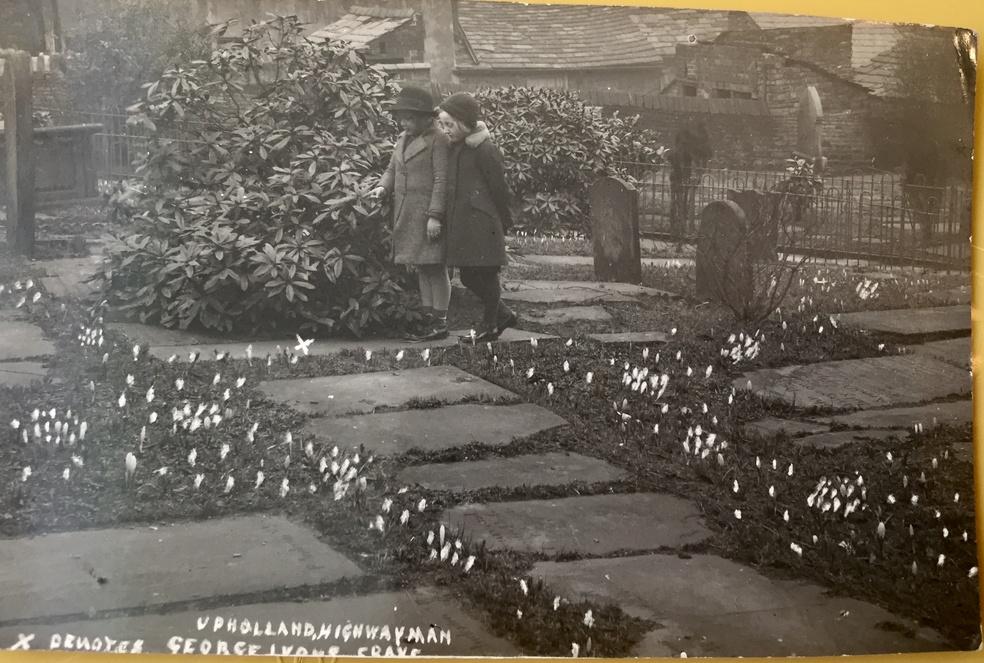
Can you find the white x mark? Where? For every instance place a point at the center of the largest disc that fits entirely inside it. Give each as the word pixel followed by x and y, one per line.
pixel 23 641
pixel 303 345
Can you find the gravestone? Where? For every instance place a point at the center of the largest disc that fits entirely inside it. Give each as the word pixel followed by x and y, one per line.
pixel 758 207
pixel 723 271
pixel 615 231
pixel 809 142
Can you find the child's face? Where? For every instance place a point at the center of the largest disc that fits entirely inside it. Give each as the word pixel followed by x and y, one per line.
pixel 414 123
pixel 452 128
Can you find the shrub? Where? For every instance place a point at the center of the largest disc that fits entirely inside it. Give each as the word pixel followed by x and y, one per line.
pixel 134 41
pixel 555 145
pixel 250 212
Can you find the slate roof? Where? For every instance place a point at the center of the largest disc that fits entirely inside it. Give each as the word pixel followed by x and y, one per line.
pixel 362 25
pixel 931 48
pixel 517 36
pixel 774 21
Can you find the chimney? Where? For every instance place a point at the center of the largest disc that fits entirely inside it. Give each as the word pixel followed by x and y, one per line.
pixel 439 22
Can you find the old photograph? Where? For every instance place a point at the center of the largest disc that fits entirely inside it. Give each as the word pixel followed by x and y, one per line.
pixel 482 328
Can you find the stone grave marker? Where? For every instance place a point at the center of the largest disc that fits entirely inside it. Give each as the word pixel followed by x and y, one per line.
pixel 723 270
pixel 809 121
pixel 615 230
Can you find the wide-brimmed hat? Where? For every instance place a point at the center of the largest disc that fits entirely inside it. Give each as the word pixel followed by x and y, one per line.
pixel 413 99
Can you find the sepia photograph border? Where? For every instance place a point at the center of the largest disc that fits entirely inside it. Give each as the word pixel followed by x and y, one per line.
pixel 950 13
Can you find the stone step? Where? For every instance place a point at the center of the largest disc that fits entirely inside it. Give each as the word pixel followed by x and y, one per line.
pixel 581 261
pixel 166 342
pixel 21 340
pixel 770 427
pixel 631 337
pixel 549 469
pixel 955 351
pixel 21 373
pixel 951 413
pixel 842 438
pixel 709 606
pixel 589 525
pixel 436 429
pixel 366 392
pixel 948 320
pixel 567 314
pixel 577 292
pixel 236 628
pixel 77 573
pixel 859 383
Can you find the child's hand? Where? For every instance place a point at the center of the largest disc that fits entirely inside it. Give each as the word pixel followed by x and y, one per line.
pixel 378 192
pixel 433 229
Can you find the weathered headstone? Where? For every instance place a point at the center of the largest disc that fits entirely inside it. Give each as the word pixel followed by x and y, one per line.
pixel 763 226
pixel 723 270
pixel 615 231
pixel 15 95
pixel 809 122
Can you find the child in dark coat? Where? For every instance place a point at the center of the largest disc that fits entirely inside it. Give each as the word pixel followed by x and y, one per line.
pixel 417 175
pixel 477 211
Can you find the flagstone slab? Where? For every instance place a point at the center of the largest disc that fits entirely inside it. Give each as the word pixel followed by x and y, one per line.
pixel 163 343
pixel 21 373
pixel 631 337
pixel 20 340
pixel 437 429
pixel 770 427
pixel 576 291
pixel 591 525
pixel 955 351
pixel 951 413
pixel 549 469
pixel 366 392
pixel 537 259
pixel 859 383
pixel 567 314
pixel 79 572
pixel 912 322
pixel 66 286
pixel 842 438
pixel 715 607
pixel 240 626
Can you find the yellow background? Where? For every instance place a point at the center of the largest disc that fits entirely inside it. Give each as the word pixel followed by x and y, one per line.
pixel 951 13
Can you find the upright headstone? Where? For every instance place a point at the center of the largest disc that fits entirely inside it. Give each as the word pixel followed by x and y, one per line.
pixel 615 231
pixel 723 269
pixel 763 226
pixel 809 121
pixel 15 93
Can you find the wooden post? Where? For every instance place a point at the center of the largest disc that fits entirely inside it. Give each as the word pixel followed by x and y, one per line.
pixel 15 91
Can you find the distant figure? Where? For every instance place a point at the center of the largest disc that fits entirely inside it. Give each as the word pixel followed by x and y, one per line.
pixel 417 176
pixel 478 211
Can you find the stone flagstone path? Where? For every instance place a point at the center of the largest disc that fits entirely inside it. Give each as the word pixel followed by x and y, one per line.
pixel 864 383
pixel 941 320
pixel 705 605
pixel 163 343
pixel 81 572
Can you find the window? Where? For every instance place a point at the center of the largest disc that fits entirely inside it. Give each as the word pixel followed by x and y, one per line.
pixel 722 94
pixel 690 90
pixel 742 95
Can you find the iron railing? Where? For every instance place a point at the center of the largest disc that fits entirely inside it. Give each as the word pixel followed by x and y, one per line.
pixel 871 217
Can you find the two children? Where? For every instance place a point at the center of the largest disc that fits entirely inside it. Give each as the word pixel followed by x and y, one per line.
pixel 451 207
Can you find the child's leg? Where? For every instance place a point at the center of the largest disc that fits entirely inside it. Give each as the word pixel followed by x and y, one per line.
pixel 440 290
pixel 426 292
pixel 484 282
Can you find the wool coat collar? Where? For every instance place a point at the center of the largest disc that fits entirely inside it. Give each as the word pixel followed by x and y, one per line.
pixel 479 136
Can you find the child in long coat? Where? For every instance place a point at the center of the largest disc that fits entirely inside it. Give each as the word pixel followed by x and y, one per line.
pixel 417 177
pixel 477 211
